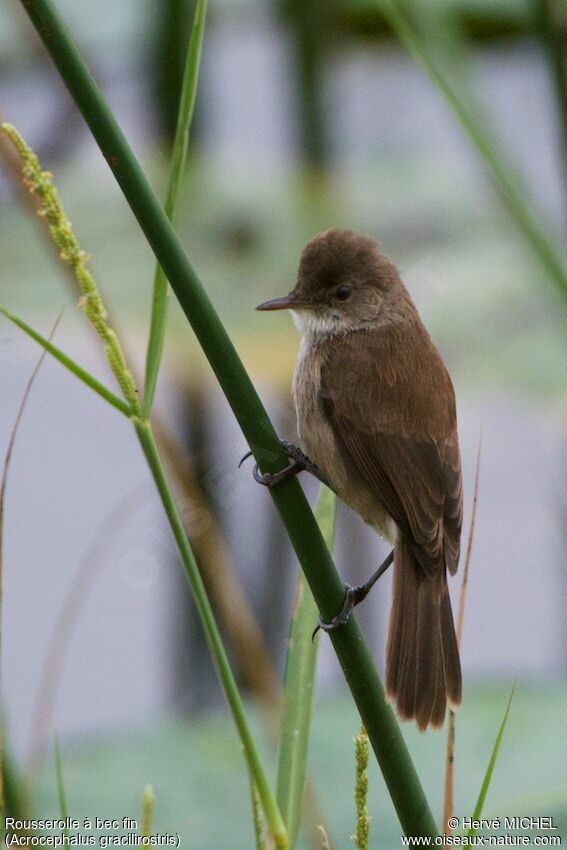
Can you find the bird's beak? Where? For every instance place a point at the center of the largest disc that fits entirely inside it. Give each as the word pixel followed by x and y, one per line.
pixel 285 302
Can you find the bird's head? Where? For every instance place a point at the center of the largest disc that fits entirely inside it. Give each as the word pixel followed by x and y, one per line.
pixel 343 284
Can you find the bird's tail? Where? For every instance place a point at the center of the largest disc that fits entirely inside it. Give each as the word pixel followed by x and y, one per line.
pixel 423 670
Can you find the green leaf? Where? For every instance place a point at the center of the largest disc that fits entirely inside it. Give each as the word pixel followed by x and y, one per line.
pixel 175 182
pixel 491 764
pixel 69 364
pixel 298 686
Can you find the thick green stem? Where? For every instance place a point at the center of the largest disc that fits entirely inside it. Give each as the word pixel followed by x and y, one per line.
pixel 149 447
pixel 383 730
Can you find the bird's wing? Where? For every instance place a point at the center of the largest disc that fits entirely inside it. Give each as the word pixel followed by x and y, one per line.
pixel 391 405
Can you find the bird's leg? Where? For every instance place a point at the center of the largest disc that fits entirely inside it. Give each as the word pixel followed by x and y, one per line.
pixel 354 595
pixel 298 463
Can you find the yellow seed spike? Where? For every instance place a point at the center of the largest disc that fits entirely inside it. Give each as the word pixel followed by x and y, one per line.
pixel 71 253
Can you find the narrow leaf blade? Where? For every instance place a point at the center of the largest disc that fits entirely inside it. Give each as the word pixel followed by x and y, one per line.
pixel 69 363
pixel 491 765
pixel 175 182
pixel 298 686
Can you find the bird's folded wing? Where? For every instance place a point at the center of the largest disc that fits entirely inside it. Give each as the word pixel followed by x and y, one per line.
pixel 414 474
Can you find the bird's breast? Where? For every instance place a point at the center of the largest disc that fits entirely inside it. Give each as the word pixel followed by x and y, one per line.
pixel 319 442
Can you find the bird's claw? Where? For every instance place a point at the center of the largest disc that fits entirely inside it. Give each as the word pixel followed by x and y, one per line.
pixel 270 479
pixel 352 597
pixel 298 462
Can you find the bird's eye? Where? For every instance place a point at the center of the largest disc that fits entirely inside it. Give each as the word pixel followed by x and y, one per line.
pixel 343 292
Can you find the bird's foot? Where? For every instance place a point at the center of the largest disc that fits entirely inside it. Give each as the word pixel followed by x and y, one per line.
pixel 353 596
pixel 299 462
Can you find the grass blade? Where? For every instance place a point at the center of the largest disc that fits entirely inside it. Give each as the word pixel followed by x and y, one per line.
pixel 69 364
pixel 475 128
pixel 298 686
pixel 491 764
pixel 175 182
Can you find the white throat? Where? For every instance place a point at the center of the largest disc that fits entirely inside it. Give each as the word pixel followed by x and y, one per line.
pixel 310 324
pixel 318 328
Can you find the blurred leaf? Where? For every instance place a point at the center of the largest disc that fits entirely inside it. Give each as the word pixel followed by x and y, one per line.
pixel 298 685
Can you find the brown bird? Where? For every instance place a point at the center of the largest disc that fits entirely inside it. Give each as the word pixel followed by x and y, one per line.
pixel 376 416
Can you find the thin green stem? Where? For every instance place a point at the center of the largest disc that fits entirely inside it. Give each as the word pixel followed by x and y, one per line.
pixel 70 364
pixel 271 810
pixel 383 730
pixel 486 146
pixel 175 182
